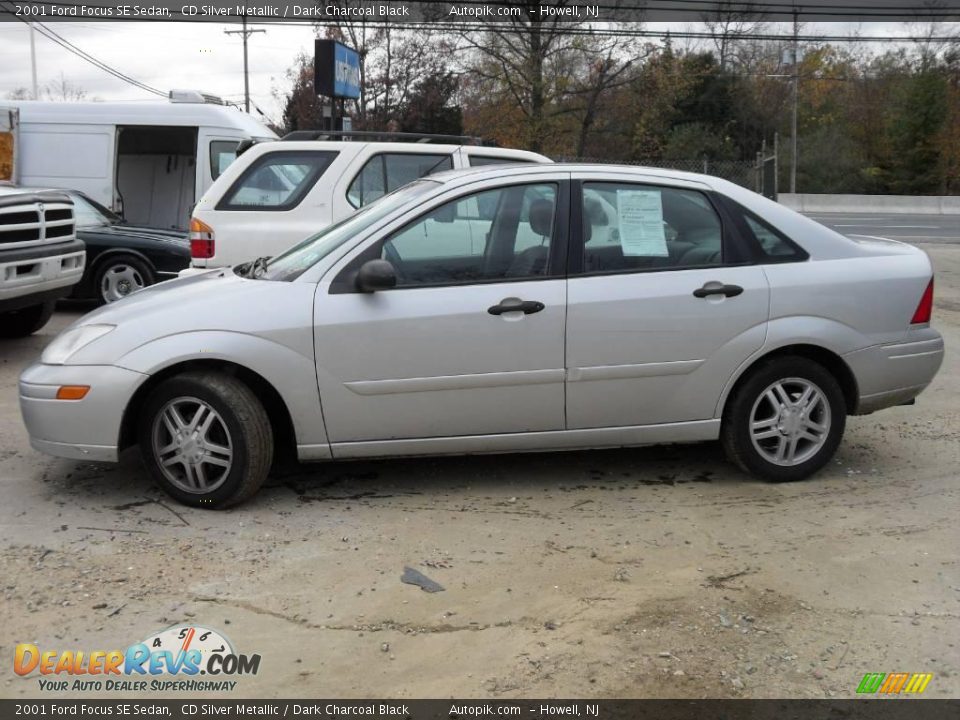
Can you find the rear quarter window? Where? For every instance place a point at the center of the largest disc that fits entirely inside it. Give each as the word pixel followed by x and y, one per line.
pixel 771 244
pixel 277 180
pixel 385 172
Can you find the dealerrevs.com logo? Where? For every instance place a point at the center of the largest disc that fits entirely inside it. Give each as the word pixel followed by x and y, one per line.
pixel 170 660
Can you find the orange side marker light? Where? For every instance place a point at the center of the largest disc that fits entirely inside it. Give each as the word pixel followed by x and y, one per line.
pixel 72 392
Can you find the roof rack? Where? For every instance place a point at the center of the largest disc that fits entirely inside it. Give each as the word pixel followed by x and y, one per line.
pixel 384 137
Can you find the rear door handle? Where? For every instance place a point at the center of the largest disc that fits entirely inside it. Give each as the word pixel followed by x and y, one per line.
pixel 527 307
pixel 709 289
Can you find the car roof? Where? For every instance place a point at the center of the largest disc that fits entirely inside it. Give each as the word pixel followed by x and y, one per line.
pixel 144 113
pixel 519 169
pixel 399 147
pixel 12 189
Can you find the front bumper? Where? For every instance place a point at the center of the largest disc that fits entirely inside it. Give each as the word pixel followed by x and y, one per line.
pixel 38 271
pixel 87 429
pixel 895 374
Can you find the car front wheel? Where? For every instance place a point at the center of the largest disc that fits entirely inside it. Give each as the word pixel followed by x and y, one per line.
pixel 786 420
pixel 206 439
pixel 119 276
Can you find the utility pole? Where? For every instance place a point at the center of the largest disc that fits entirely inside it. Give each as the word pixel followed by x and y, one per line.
pixel 33 62
pixel 246 73
pixel 793 119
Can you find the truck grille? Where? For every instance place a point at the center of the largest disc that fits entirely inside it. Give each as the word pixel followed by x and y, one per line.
pixel 35 218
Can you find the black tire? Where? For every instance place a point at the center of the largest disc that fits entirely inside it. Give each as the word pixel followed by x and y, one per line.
pixel 25 321
pixel 735 431
pixel 248 434
pixel 139 269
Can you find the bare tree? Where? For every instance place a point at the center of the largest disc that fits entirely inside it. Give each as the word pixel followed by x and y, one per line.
pixel 728 24
pixel 605 65
pixel 392 60
pixel 525 57
pixel 63 90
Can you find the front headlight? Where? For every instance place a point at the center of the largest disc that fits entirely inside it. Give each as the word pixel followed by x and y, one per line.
pixel 66 344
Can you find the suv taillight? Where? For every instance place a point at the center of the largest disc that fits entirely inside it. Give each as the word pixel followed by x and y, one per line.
pixel 202 243
pixel 925 308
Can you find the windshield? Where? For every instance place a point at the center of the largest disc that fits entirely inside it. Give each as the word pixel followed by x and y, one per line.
pixel 298 259
pixel 90 214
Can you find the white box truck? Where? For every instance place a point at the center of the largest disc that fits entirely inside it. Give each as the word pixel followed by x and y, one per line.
pixel 148 161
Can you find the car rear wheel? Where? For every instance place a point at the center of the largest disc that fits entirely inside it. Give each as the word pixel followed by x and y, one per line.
pixel 206 439
pixel 26 321
pixel 786 420
pixel 118 276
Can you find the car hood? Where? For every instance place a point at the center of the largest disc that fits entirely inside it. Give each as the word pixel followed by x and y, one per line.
pixel 218 301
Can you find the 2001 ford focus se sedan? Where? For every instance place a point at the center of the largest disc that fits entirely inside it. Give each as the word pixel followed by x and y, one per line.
pixel 502 309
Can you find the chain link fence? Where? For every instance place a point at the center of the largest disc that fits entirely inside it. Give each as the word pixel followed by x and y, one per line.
pixel 741 172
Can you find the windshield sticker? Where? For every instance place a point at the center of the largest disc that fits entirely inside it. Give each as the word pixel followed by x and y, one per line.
pixel 640 216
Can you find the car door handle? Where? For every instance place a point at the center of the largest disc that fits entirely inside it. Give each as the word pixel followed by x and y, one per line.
pixel 708 289
pixel 527 307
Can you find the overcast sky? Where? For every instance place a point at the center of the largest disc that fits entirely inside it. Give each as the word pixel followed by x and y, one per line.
pixel 200 56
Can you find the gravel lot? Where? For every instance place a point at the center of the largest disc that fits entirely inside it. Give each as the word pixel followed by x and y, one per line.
pixel 660 572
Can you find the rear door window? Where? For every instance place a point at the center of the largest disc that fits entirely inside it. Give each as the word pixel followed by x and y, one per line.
pixel 277 181
pixel 385 172
pixel 630 227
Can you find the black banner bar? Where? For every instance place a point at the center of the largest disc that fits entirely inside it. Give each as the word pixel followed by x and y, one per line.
pixel 475 11
pixel 195 709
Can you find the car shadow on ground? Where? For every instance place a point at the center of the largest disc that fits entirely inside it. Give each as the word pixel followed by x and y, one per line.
pixel 102 484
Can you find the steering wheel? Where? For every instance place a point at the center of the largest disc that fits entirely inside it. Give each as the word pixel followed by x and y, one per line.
pixel 393 257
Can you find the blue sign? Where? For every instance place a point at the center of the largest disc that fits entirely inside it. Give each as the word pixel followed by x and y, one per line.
pixel 336 70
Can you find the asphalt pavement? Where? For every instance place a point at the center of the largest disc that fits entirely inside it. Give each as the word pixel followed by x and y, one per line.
pixel 914 229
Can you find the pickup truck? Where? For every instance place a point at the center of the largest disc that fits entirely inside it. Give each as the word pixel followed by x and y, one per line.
pixel 41 258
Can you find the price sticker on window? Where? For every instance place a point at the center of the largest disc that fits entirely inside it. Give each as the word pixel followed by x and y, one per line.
pixel 640 219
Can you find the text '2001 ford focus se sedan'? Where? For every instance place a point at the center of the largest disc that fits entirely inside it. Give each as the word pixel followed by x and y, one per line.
pixel 497 310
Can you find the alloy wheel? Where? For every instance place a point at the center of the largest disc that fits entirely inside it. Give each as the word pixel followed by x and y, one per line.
pixel 790 421
pixel 192 445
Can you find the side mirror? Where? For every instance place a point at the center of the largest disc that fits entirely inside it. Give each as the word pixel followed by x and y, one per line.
pixel 376 275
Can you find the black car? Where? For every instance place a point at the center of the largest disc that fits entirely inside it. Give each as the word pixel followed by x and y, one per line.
pixel 122 258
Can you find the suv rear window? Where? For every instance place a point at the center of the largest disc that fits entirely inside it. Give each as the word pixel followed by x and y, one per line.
pixel 277 181
pixel 385 172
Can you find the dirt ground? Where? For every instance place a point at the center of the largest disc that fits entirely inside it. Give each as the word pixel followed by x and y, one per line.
pixel 660 572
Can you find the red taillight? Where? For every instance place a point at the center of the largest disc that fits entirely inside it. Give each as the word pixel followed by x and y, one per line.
pixel 202 243
pixel 925 308
pixel 201 248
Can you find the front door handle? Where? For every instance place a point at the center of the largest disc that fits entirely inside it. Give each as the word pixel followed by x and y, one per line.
pixel 527 307
pixel 710 289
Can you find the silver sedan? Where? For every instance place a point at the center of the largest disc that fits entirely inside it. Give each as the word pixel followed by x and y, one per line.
pixel 501 309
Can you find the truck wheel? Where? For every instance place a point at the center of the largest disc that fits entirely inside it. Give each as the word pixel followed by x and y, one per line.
pixel 206 439
pixel 119 275
pixel 26 321
pixel 785 421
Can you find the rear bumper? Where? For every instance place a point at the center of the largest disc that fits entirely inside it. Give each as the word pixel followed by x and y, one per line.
pixel 191 271
pixel 87 429
pixel 889 375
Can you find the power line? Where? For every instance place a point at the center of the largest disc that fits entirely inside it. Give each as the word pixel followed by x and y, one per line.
pixel 63 42
pixel 55 37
